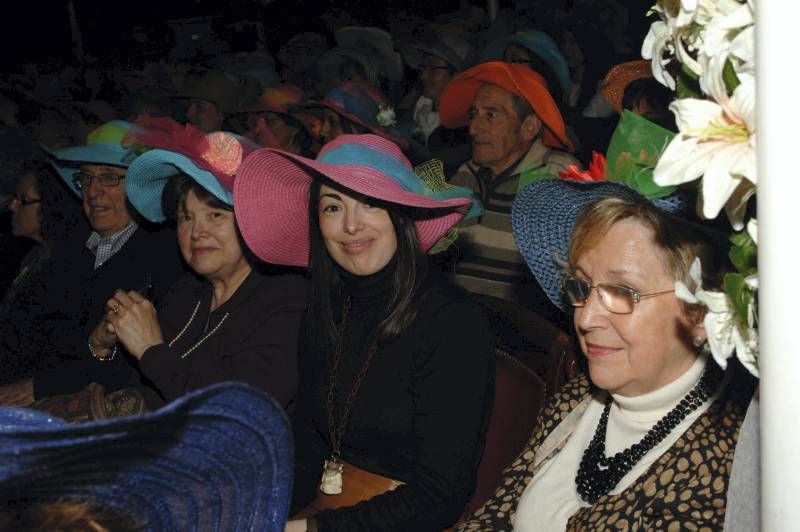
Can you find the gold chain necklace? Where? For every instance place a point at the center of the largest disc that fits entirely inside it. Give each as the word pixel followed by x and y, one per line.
pixel 331 482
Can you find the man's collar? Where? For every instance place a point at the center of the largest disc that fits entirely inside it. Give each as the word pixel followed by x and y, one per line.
pixel 94 238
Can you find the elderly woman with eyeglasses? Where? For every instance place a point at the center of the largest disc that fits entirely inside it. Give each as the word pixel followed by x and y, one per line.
pixel 646 441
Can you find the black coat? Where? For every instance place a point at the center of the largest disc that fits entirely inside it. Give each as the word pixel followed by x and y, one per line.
pixel 46 335
pixel 420 415
pixel 252 338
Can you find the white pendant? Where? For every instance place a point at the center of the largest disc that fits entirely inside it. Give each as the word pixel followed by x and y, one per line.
pixel 331 483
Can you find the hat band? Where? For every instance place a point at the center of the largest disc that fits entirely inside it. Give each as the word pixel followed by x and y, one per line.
pixel 351 154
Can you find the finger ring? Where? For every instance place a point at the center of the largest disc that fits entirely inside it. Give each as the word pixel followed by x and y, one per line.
pixel 115 310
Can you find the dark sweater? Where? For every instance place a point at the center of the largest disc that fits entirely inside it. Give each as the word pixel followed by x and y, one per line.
pixel 46 335
pixel 254 338
pixel 419 417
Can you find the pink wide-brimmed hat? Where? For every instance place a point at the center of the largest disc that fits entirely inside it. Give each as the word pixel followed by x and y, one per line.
pixel 271 194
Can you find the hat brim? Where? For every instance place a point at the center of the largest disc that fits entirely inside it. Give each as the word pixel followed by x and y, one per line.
pixel 271 196
pixel 68 160
pixel 543 217
pixel 149 174
pixel 216 459
pixel 457 98
pixel 315 106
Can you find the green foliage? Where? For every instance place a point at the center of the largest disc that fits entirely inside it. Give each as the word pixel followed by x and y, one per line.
pixel 744 253
pixel 741 297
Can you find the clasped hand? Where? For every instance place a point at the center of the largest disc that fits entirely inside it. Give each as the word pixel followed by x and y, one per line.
pixel 131 319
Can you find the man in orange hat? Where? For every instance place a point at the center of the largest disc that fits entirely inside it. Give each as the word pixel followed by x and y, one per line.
pixel 518 137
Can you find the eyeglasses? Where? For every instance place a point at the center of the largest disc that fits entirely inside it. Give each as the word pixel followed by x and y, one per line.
pixel 24 200
pixel 615 298
pixel 82 179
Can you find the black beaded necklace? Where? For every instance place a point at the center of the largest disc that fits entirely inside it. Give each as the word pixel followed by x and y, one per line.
pixel 598 474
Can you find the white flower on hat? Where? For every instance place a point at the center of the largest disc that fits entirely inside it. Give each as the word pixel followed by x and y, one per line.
pixel 386 116
pixel 725 333
pixel 717 141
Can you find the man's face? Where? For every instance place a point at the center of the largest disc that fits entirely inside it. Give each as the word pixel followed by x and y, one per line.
pixel 435 75
pixel 499 137
pixel 105 205
pixel 204 115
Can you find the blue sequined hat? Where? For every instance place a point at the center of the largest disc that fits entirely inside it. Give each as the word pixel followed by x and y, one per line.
pixel 217 459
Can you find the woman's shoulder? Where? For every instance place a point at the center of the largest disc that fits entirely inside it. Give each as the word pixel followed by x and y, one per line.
pixel 280 286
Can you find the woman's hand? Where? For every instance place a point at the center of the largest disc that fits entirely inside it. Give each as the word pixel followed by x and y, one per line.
pixel 134 320
pixel 18 393
pixel 103 338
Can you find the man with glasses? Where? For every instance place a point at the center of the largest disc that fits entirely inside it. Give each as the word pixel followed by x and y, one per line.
pixel 437 59
pixel 84 272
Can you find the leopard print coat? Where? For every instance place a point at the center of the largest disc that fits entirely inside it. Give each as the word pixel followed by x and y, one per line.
pixel 684 489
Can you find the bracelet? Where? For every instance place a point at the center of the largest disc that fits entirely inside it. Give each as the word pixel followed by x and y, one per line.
pixel 108 358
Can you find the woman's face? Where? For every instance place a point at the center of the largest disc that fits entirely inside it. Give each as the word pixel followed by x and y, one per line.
pixel 25 207
pixel 208 241
pixel 359 237
pixel 633 354
pixel 331 126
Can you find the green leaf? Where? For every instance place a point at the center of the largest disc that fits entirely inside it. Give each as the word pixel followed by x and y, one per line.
pixel 740 294
pixel 744 253
pixel 729 77
pixel 687 87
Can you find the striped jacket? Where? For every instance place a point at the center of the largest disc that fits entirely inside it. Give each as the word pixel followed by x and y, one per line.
pixel 489 262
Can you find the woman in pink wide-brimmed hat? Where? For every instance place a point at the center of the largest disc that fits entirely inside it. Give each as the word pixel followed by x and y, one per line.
pixel 395 362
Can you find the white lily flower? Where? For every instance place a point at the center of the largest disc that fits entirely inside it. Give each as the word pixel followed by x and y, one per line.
pixel 657 47
pixel 724 336
pixel 727 36
pixel 752 229
pixel 716 141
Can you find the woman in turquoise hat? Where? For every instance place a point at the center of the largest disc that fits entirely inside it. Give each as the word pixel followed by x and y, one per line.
pixel 231 318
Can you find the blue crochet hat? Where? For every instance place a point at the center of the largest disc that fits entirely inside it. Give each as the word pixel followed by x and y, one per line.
pixel 217 459
pixel 544 214
pixel 103 146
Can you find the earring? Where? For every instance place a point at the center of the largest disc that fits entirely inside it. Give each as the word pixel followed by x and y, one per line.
pixel 699 341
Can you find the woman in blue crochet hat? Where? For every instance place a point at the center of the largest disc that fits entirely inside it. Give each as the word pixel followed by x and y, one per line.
pixel 646 440
pixel 395 363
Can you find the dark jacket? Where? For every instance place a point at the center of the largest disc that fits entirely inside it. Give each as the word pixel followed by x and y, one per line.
pixel 252 337
pixel 420 415
pixel 46 335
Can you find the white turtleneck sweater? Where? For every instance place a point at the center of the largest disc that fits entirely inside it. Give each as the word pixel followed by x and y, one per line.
pixel 551 497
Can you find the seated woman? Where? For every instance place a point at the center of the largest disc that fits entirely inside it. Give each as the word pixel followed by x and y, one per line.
pixel 228 320
pixel 396 372
pixel 648 442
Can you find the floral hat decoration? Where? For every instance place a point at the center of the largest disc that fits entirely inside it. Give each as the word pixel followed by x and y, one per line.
pixel 210 159
pixel 705 52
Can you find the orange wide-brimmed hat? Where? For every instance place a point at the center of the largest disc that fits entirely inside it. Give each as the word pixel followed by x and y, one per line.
pixel 619 77
pixel 459 94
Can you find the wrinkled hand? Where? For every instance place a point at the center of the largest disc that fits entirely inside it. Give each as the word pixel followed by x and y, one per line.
pixel 18 393
pixel 135 322
pixel 104 336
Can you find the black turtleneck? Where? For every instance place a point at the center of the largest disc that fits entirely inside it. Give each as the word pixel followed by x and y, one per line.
pixel 420 415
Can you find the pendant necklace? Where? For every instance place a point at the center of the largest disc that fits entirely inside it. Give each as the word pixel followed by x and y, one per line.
pixel 331 482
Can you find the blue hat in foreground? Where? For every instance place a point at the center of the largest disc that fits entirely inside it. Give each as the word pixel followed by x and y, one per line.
pixel 544 214
pixel 212 160
pixel 103 146
pixel 217 459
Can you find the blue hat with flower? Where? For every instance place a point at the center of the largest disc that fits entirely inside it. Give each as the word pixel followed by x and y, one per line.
pixel 216 459
pixel 210 159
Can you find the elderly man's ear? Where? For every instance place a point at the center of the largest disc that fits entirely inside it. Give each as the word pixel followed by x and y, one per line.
pixel 531 127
